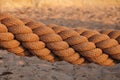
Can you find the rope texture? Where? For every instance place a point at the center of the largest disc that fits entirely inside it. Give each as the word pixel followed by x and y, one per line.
pixel 113 34
pixel 28 39
pixel 12 45
pixel 109 45
pixel 54 42
pixel 81 44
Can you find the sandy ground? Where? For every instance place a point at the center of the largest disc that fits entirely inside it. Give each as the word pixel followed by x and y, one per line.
pixel 107 18
pixel 13 67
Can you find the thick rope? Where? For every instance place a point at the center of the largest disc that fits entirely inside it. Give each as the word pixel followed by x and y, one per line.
pixel 54 42
pixel 27 38
pixel 72 45
pixel 8 42
pixel 83 46
pixel 113 34
pixel 102 41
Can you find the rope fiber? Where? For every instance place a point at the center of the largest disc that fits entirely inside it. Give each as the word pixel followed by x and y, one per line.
pixel 26 37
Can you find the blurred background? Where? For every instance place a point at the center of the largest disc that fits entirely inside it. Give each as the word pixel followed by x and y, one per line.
pixel 97 14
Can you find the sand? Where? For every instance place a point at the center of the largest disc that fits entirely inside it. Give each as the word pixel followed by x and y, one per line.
pixel 13 67
pixel 105 18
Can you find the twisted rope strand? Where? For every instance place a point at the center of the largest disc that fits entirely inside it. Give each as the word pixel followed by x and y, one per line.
pixel 83 46
pixel 68 44
pixel 102 41
pixel 28 39
pixel 8 42
pixel 54 42
pixel 114 34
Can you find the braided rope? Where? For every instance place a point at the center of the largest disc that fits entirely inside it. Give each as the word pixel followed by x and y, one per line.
pixel 54 42
pixel 102 41
pixel 8 42
pixel 83 46
pixel 27 38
